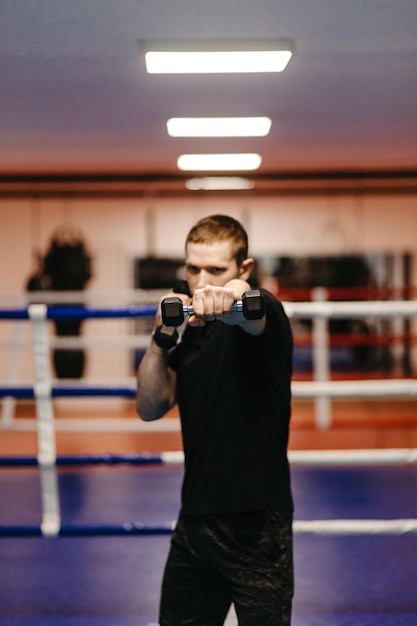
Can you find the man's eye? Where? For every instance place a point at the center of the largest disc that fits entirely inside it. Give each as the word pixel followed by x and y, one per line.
pixel 216 270
pixel 192 269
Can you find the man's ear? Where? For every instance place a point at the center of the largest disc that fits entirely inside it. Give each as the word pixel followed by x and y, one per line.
pixel 246 268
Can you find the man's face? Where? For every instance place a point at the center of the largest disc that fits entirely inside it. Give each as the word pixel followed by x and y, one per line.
pixel 210 264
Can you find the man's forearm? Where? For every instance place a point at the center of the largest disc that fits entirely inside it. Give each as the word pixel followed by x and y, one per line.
pixel 155 385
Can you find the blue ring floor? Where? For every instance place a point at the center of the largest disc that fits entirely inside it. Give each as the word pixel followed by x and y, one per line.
pixel 368 580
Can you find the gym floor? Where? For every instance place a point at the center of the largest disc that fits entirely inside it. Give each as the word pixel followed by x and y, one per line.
pixel 351 580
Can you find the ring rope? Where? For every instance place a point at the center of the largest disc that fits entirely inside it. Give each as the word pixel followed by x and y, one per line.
pixel 331 309
pixel 73 530
pixel 326 309
pixel 379 388
pixel 89 459
pixel 337 527
pixel 81 312
pixel 356 527
pixel 389 456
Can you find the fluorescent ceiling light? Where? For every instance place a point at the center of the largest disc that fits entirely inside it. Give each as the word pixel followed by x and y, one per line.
pixel 237 62
pixel 216 56
pixel 217 162
pixel 218 126
pixel 213 183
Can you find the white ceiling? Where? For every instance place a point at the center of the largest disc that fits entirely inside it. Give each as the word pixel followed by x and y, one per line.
pixel 75 97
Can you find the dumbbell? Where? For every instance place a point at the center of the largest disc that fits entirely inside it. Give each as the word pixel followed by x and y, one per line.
pixel 165 337
pixel 174 311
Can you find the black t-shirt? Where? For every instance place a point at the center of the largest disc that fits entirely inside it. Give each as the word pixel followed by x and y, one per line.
pixel 234 397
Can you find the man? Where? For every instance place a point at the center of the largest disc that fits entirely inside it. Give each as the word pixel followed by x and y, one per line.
pixel 231 379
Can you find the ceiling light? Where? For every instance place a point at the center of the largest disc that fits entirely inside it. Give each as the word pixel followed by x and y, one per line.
pixel 213 183
pixel 216 56
pixel 218 126
pixel 217 162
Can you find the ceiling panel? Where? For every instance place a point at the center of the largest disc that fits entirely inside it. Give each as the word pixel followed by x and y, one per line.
pixel 75 97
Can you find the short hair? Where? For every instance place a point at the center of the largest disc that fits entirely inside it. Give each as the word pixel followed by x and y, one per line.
pixel 219 228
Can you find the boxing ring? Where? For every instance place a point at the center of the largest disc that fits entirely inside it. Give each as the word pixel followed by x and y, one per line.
pixel 65 521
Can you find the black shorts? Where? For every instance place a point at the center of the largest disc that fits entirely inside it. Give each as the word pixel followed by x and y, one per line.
pixel 240 558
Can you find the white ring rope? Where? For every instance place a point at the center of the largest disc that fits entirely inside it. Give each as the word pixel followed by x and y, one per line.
pixel 355 388
pixel 320 458
pixel 356 527
pixel 376 308
pixel 387 456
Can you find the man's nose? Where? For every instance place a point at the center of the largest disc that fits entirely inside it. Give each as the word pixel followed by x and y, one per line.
pixel 203 279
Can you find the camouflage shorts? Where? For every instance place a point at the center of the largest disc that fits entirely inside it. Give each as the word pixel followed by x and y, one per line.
pixel 240 558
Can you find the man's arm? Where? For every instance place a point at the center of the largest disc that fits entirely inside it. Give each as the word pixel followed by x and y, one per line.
pixel 155 384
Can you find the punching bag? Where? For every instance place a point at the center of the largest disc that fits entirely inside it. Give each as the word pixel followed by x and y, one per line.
pixel 68 268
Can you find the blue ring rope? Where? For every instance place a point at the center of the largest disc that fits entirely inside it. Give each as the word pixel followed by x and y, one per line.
pixel 86 459
pixel 67 391
pixel 82 312
pixel 87 530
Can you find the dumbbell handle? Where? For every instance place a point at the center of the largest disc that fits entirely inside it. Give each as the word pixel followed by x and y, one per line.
pixel 174 311
pixel 236 307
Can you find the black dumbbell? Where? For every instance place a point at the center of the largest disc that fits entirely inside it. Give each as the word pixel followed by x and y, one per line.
pixel 165 337
pixel 252 306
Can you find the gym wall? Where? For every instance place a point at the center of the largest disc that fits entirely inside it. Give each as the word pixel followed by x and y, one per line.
pixel 118 230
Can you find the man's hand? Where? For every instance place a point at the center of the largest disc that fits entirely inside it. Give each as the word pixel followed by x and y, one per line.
pixel 211 303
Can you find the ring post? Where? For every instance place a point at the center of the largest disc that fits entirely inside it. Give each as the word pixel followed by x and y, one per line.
pixel 51 517
pixel 321 361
